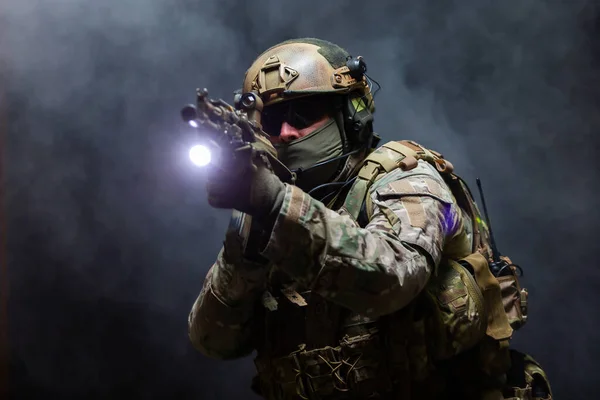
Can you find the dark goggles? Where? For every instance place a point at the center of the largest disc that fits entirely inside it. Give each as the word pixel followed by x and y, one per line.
pixel 300 113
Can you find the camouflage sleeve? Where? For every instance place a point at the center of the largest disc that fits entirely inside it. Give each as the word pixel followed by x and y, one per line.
pixel 220 324
pixel 374 270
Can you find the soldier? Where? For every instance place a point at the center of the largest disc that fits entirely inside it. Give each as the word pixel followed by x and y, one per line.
pixel 372 276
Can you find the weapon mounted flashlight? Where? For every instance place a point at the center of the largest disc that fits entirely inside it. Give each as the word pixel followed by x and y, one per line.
pixel 190 115
pixel 200 155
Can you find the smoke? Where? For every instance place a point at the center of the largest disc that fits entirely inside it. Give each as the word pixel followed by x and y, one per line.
pixel 109 231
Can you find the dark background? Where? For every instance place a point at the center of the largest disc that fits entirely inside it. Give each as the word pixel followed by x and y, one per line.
pixel 109 232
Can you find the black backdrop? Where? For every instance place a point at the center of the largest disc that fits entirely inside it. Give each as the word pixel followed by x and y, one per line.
pixel 109 233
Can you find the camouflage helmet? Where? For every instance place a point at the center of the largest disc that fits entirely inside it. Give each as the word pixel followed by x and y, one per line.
pixel 303 67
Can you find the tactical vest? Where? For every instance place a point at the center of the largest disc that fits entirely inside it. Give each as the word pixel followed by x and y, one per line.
pixel 454 334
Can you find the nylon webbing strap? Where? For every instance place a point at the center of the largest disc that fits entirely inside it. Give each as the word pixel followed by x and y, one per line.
pixel 422 152
pixel 498 326
pixel 399 147
pixel 377 162
pixel 387 161
pixel 356 196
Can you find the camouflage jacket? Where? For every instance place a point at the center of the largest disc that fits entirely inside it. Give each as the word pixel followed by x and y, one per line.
pixel 372 270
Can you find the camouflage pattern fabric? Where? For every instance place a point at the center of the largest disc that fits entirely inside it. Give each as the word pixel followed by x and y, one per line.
pixel 375 270
pixel 220 323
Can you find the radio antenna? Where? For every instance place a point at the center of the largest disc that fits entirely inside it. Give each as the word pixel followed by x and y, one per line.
pixel 495 253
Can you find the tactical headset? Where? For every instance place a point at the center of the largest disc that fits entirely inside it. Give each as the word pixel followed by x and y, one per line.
pixel 358 119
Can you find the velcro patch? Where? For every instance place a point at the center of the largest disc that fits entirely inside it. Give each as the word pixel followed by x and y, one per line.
pixel 415 211
pixel 417 185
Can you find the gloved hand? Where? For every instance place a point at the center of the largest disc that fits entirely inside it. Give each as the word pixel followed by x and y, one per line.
pixel 251 188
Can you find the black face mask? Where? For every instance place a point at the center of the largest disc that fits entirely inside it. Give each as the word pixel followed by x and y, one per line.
pixel 321 145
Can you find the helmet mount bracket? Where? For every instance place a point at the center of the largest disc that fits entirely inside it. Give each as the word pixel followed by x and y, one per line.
pixel 274 77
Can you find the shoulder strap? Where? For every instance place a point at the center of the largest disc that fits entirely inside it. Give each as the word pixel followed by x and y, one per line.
pixel 376 163
pixel 402 154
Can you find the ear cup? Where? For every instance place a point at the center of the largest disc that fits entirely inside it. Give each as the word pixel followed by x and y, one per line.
pixel 358 120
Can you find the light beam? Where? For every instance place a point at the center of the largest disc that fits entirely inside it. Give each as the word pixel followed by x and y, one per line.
pixel 200 155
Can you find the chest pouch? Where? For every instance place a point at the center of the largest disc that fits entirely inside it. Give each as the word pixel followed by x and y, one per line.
pixel 457 313
pixel 514 297
pixel 466 304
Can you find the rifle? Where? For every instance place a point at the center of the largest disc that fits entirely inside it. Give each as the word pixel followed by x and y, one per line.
pixel 235 132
